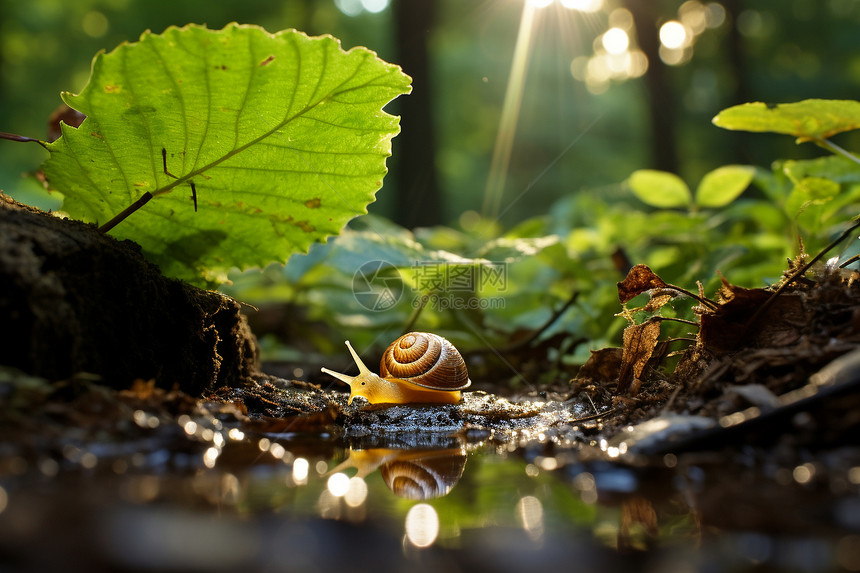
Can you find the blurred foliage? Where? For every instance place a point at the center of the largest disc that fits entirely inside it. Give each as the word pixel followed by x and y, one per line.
pixel 787 49
pixel 573 249
pixel 566 212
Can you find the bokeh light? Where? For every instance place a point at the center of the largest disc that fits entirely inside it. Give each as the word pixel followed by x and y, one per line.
pixel 615 41
pixel 673 35
pixel 422 525
pixel 338 484
pixel 583 5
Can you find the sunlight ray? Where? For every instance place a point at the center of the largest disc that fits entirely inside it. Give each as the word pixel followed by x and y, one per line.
pixel 510 114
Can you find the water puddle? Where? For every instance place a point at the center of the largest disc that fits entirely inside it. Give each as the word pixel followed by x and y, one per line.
pixel 161 482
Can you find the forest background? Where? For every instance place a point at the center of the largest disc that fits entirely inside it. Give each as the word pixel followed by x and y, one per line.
pixel 591 114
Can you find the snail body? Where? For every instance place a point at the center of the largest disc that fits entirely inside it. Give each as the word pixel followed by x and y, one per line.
pixel 417 367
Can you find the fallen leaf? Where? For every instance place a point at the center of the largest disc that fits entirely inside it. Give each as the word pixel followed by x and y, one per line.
pixel 640 279
pixel 602 366
pixel 640 340
pixel 726 327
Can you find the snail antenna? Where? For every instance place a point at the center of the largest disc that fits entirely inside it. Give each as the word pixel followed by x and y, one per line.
pixel 362 369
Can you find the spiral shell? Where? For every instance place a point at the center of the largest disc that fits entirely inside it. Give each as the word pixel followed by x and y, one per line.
pixel 428 476
pixel 427 360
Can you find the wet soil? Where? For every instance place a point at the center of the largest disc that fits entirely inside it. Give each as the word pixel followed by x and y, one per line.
pixel 75 300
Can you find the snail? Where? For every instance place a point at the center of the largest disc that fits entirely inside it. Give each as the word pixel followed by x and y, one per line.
pixel 412 474
pixel 417 367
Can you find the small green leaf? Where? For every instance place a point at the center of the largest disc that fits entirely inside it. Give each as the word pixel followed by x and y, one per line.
pixel 807 120
pixel 282 135
pixel 833 167
pixel 723 185
pixel 660 188
pixel 809 192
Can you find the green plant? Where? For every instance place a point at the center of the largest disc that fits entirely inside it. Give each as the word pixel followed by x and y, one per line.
pixel 685 236
pixel 216 149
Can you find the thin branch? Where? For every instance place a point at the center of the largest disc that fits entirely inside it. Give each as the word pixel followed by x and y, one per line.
pixel 674 319
pixel 22 138
pixel 680 339
pixel 144 199
pixel 702 300
pixel 799 272
pixel 593 416
pixel 416 312
pixel 525 342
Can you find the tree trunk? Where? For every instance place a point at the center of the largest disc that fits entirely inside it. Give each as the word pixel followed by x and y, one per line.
pixel 418 201
pixel 661 100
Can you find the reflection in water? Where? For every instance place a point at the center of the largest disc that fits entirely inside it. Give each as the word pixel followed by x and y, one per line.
pixel 422 525
pixel 412 474
pixel 530 515
pixel 300 471
pixel 356 493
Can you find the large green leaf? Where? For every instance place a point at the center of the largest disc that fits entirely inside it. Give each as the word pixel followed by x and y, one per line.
pixel 811 119
pixel 283 136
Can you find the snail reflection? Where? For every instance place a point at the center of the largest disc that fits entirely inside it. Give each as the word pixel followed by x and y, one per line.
pixel 412 474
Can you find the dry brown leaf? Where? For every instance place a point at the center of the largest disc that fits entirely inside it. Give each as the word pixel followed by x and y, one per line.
pixel 726 327
pixel 657 300
pixel 602 366
pixel 640 340
pixel 640 279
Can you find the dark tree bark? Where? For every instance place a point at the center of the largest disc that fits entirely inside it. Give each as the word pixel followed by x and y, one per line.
pixel 661 100
pixel 418 202
pixel 741 91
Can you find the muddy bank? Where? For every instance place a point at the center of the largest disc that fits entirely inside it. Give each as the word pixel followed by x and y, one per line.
pixel 74 300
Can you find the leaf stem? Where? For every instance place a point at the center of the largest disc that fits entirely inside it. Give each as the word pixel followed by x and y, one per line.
pixel 703 301
pixel 144 199
pixel 21 138
pixel 830 146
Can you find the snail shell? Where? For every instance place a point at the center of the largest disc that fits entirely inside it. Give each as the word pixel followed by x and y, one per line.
pixel 427 360
pixel 418 367
pixel 430 476
pixel 412 474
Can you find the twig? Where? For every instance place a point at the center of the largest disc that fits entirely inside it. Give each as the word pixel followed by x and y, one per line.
pixel 680 339
pixel 516 345
pixel 22 138
pixel 696 297
pixel 144 199
pixel 793 277
pixel 593 416
pixel 673 319
pixel 413 318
